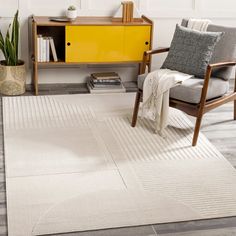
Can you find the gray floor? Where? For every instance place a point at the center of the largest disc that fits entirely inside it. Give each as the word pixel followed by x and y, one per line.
pixel 220 129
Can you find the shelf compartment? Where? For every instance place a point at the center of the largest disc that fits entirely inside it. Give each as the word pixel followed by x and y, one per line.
pixel 58 35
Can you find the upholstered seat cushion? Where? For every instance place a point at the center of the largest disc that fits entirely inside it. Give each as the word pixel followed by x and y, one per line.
pixel 190 90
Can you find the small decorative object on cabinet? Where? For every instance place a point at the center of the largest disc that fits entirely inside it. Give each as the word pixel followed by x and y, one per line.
pixel 12 70
pixel 71 12
pixel 90 40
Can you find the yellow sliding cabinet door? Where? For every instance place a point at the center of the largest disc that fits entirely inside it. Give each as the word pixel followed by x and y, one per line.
pixel 88 43
pixel 136 41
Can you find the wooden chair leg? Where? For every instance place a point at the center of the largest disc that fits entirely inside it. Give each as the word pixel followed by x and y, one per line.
pixel 196 130
pixel 136 108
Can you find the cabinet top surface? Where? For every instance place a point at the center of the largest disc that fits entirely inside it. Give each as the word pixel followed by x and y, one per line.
pixel 45 21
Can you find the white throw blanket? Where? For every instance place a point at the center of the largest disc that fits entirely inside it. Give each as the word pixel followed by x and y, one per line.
pixel 156 89
pixel 157 84
pixel 198 24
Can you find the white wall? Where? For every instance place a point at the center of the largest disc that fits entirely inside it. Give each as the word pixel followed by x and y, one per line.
pixel 165 13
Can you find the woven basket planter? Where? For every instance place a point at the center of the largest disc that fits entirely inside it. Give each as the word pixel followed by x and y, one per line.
pixel 12 79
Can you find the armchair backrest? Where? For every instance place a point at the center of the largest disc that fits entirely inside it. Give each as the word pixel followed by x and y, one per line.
pixel 225 49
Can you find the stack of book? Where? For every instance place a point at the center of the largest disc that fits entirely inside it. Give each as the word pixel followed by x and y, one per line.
pixel 128 9
pixel 127 12
pixel 107 82
pixel 45 46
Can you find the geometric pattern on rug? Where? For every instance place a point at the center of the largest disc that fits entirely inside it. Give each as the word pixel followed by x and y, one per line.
pixel 202 169
pixel 75 164
pixel 44 112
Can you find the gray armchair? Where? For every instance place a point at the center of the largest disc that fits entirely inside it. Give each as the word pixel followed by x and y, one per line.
pixel 197 96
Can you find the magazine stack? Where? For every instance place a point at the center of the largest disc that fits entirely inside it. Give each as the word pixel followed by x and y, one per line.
pixel 106 82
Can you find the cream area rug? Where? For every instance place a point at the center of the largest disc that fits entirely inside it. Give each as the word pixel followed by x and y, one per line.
pixel 74 163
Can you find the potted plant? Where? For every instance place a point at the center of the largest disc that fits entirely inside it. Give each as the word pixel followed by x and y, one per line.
pixel 12 70
pixel 71 12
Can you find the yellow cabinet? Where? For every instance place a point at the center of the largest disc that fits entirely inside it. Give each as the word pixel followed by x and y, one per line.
pixel 104 43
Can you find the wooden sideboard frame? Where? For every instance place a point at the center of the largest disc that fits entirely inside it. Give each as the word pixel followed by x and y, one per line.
pixel 40 25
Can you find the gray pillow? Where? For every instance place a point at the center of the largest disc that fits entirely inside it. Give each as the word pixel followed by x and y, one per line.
pixel 191 51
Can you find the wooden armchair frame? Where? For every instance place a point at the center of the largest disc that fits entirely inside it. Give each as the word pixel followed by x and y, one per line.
pixel 196 110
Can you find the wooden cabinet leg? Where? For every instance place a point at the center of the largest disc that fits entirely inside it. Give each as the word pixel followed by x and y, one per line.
pixel 139 68
pixel 35 78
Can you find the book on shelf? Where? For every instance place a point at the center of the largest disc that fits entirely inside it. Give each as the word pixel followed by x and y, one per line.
pixel 105 85
pixel 124 12
pixel 106 81
pixel 112 80
pixel 105 78
pixel 127 12
pixel 47 47
pixel 105 75
pixel 53 49
pixel 44 44
pixel 110 86
pixel 100 84
pixel 114 89
pixel 44 50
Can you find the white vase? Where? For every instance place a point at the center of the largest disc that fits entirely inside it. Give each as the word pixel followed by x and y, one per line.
pixel 71 14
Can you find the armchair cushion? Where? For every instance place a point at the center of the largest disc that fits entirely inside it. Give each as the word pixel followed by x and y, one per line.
pixel 191 51
pixel 225 49
pixel 190 90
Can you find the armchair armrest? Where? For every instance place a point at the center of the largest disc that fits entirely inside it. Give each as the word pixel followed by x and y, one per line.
pixel 146 55
pixel 156 51
pixel 210 67
pixel 222 64
pixel 208 76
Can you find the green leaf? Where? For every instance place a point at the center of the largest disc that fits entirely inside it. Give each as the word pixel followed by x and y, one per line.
pixel 8 33
pixel 1 38
pixel 9 45
pixel 6 49
pixel 15 34
pixel 11 53
pixel 2 44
